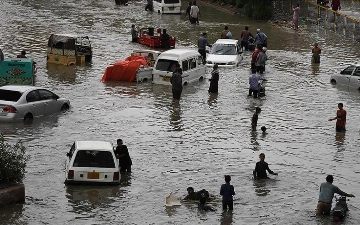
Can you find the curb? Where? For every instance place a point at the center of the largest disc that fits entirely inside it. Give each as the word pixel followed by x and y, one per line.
pixel 15 193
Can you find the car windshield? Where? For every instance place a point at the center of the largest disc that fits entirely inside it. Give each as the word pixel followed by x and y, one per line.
pixel 12 96
pixel 348 70
pixel 223 49
pixel 171 1
pixel 165 65
pixel 100 159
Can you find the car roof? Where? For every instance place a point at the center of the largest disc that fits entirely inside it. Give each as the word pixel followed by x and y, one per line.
pixel 226 41
pixel 20 88
pixel 94 145
pixel 179 53
pixel 147 51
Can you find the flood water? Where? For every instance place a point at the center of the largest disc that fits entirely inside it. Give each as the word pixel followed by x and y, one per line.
pixel 207 137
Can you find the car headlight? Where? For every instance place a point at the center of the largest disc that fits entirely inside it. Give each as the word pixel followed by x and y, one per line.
pixel 231 63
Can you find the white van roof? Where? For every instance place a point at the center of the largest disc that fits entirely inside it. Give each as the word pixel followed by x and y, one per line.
pixel 93 145
pixel 226 41
pixel 179 54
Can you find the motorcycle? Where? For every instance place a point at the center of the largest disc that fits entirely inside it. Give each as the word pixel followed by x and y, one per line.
pixel 340 208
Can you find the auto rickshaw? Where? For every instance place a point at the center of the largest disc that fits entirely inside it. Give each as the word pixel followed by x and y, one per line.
pixel 67 49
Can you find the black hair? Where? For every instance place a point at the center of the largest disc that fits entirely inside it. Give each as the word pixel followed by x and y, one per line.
pixel 263 128
pixel 226 27
pixel 258 109
pixel 118 140
pixel 23 52
pixel 253 71
pixel 190 188
pixel 340 104
pixel 227 178
pixel 329 178
pixel 246 27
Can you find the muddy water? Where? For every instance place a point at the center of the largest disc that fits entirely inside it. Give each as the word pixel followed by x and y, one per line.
pixel 194 145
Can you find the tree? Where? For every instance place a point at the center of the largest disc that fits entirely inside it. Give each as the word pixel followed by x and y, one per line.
pixel 12 161
pixel 258 9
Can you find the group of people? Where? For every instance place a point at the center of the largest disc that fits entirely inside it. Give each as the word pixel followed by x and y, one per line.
pixel 193 12
pixel 165 37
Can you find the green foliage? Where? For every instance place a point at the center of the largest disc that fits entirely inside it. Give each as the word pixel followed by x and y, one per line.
pixel 258 9
pixel 12 161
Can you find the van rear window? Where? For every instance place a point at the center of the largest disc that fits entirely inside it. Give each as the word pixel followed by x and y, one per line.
pixel 171 1
pixel 11 96
pixel 165 65
pixel 100 159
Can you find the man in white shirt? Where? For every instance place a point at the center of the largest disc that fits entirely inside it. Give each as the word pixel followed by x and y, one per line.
pixel 194 13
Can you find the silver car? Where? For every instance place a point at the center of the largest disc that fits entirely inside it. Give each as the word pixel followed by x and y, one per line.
pixel 24 103
pixel 348 77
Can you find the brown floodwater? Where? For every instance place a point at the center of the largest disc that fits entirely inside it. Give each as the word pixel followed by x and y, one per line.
pixel 195 144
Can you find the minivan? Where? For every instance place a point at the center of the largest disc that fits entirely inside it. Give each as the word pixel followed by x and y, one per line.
pixel 190 62
pixel 167 6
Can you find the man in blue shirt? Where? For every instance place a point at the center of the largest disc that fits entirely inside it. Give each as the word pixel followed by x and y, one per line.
pixel 202 43
pixel 254 79
pixel 260 38
pixel 327 191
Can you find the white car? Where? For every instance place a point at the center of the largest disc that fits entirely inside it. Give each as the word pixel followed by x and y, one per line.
pixel 225 53
pixel 24 103
pixel 92 162
pixel 349 77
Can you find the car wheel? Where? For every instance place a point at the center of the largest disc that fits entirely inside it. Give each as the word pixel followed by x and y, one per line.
pixel 201 78
pixel 333 81
pixel 64 107
pixel 28 117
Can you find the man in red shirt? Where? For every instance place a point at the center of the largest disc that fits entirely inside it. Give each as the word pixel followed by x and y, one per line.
pixel 254 56
pixel 340 118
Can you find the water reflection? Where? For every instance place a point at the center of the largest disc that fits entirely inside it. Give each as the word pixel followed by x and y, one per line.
pixel 212 101
pixel 171 210
pixel 125 179
pixel 11 214
pixel 226 218
pixel 339 141
pixel 315 67
pixel 84 199
pixel 175 118
pixel 260 187
pixel 253 140
pixel 64 74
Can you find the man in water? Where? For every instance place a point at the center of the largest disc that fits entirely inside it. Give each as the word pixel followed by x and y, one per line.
pixel 165 40
pixel 22 54
pixel 192 195
pixel 261 167
pixel 340 118
pixel 202 43
pixel 327 191
pixel 134 33
pixel 260 38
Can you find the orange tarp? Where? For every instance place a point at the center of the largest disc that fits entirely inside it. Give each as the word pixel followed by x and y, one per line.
pixel 124 70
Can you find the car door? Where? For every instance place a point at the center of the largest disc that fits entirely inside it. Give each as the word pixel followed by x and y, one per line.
pixel 354 81
pixel 344 77
pixel 35 106
pixel 49 99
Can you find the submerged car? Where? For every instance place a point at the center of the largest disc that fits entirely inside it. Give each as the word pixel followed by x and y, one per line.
pixel 349 77
pixel 25 103
pixel 92 162
pixel 225 53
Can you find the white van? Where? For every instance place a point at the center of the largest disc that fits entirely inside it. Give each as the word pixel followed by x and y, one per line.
pixel 190 61
pixel 167 6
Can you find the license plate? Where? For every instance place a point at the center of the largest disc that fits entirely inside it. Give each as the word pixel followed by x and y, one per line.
pixel 166 79
pixel 171 8
pixel 93 175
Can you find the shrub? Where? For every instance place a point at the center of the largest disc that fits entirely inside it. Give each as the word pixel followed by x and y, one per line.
pixel 12 161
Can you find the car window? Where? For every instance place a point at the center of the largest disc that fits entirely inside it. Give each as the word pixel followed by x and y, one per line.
pixel 224 49
pixel 357 72
pixel 171 1
pixel 348 70
pixel 45 94
pixel 93 158
pixel 33 96
pixel 166 65
pixel 185 65
pixel 193 63
pixel 11 96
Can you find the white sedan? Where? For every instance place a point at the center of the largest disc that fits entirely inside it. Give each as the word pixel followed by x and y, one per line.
pixel 92 162
pixel 225 53
pixel 349 77
pixel 24 103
